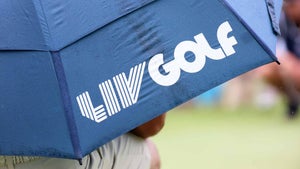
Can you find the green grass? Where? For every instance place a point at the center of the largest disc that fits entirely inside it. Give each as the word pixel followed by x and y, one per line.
pixel 219 138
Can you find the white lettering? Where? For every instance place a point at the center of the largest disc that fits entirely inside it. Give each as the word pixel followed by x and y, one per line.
pixel 200 49
pixel 87 109
pixel 226 43
pixel 109 97
pixel 189 56
pixel 129 88
pixel 171 68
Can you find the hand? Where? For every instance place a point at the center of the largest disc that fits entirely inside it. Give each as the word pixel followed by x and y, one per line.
pixel 150 128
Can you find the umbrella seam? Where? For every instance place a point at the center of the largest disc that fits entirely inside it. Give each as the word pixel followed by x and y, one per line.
pixel 67 104
pixel 46 32
pixel 102 26
pixel 256 37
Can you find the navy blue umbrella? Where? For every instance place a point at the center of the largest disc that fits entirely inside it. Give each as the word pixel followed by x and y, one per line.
pixel 76 74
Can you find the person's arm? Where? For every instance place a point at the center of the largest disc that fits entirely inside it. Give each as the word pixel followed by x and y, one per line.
pixel 150 128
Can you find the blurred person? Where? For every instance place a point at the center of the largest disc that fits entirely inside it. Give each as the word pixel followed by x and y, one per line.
pixel 286 77
pixel 239 91
pixel 133 150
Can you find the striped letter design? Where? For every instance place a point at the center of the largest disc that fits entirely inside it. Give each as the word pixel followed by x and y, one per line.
pixel 87 109
pixel 129 88
pixel 109 97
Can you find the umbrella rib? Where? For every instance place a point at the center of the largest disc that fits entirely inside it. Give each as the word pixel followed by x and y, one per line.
pixel 67 104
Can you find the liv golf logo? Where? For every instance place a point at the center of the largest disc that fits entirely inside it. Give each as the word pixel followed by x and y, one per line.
pixel 128 87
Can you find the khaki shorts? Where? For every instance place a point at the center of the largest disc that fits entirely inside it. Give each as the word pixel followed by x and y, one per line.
pixel 124 152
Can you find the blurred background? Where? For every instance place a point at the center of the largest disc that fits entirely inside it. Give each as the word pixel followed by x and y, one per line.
pixel 250 122
pixel 241 124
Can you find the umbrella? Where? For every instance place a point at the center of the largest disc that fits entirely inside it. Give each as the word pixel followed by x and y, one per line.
pixel 76 74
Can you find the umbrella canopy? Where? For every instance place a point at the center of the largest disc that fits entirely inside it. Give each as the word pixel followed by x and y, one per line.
pixel 76 74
